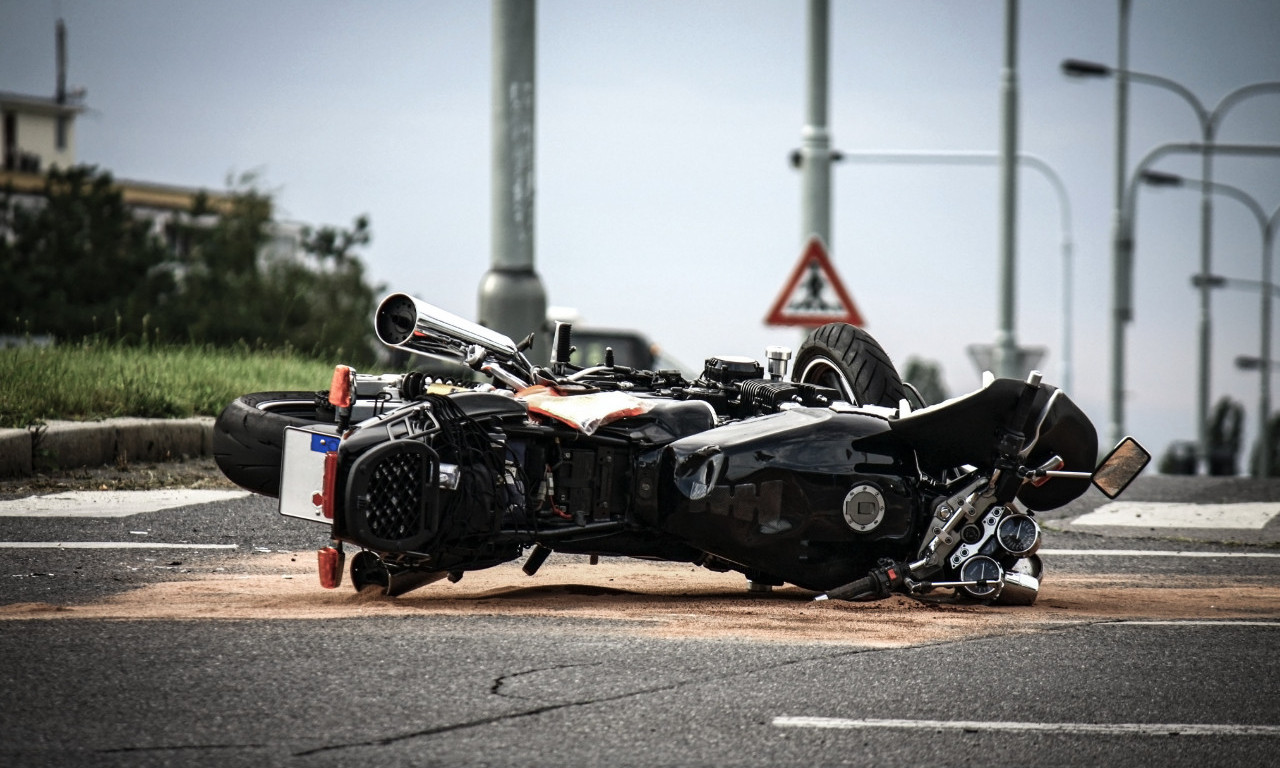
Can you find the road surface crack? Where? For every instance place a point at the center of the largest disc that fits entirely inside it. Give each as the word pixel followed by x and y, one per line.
pixel 501 681
pixel 542 710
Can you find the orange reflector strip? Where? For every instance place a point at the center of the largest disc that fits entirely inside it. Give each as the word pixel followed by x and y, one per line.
pixel 330 489
pixel 340 386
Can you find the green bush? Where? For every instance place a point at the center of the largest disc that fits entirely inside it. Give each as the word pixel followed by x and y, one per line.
pixel 98 379
pixel 81 264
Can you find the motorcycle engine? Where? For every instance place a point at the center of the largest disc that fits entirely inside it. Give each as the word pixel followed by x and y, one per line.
pixel 736 385
pixel 731 369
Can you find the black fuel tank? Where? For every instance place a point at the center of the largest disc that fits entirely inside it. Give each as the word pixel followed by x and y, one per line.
pixel 794 494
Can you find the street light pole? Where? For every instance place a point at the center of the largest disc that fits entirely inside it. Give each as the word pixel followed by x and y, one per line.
pixel 815 148
pixel 1267 226
pixel 1006 343
pixel 1122 240
pixel 1122 247
pixel 1209 120
pixel 512 299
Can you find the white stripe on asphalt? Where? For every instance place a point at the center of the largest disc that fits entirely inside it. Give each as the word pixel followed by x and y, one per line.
pixel 112 503
pixel 1193 623
pixel 1161 514
pixel 107 545
pixel 1149 553
pixel 1113 729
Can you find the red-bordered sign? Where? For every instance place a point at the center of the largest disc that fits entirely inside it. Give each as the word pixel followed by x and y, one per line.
pixel 813 295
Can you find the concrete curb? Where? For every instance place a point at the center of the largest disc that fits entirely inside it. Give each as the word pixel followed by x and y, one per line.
pixel 69 444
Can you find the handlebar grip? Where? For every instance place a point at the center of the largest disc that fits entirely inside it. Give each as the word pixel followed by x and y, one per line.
pixel 854 590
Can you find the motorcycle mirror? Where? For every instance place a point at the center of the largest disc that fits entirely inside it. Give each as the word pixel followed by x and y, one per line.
pixel 1125 462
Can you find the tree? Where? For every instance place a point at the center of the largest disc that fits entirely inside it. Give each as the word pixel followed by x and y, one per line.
pixel 926 377
pixel 320 305
pixel 221 296
pixel 77 262
pixel 328 305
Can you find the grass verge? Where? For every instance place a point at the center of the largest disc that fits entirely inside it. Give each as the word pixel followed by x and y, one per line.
pixel 98 380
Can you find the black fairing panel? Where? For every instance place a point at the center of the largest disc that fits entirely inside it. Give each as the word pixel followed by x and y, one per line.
pixel 479 405
pixel 769 494
pixel 666 420
pixel 964 431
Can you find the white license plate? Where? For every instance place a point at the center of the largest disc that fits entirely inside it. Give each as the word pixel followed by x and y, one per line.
pixel 302 473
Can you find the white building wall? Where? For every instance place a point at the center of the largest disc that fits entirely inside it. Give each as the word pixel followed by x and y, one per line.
pixel 37 134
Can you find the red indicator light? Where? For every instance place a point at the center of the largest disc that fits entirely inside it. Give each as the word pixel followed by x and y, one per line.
pixel 330 489
pixel 330 561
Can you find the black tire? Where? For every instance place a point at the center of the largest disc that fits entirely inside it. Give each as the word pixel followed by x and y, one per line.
pixel 248 436
pixel 847 358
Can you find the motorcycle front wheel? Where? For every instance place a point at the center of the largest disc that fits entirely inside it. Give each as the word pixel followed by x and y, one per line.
pixel 847 358
pixel 248 436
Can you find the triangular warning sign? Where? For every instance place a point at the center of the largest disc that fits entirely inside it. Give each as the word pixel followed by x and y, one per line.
pixel 813 295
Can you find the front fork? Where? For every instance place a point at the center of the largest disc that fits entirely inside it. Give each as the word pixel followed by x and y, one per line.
pixel 971 505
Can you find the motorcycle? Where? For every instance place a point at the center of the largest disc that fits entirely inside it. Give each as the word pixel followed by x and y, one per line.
pixel 832 476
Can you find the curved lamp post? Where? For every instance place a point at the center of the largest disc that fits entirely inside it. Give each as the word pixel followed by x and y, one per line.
pixel 979 157
pixel 1209 120
pixel 1267 226
pixel 1122 265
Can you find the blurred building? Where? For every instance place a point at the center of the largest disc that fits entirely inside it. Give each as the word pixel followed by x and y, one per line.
pixel 38 134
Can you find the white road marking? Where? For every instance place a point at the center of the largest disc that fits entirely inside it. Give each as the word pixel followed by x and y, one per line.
pixel 112 503
pixel 107 545
pixel 1193 623
pixel 1112 729
pixel 1149 553
pixel 1160 514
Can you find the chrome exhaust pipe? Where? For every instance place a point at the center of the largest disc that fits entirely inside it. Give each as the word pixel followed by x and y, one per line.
pixel 369 571
pixel 404 322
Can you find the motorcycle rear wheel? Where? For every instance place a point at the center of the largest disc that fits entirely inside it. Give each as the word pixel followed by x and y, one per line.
pixel 847 358
pixel 248 436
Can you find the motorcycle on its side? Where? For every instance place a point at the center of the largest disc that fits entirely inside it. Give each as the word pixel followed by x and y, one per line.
pixel 832 476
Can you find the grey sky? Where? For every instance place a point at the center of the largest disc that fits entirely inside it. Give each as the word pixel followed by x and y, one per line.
pixel 665 200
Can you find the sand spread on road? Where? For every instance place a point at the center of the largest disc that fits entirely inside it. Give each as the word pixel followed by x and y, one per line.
pixel 667 600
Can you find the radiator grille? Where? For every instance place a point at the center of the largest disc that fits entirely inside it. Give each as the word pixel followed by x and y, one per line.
pixel 392 496
pixel 395 496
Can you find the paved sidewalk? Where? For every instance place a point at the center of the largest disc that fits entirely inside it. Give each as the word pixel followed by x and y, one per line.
pixel 68 444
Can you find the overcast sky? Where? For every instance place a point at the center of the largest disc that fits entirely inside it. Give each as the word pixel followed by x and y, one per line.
pixel 664 197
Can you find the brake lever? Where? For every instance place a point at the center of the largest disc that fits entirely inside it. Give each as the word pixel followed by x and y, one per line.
pixel 1050 469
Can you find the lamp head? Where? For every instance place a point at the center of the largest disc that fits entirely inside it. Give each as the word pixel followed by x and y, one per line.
pixel 1159 179
pixel 1081 68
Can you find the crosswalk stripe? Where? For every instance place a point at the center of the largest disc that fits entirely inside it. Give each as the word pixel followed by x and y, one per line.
pixel 108 545
pixel 112 503
pixel 1161 514
pixel 1114 729
pixel 1149 553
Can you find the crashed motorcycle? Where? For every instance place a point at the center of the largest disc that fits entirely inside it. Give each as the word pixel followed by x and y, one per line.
pixel 822 470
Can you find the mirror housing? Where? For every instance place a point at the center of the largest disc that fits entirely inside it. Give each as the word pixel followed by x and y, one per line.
pixel 1125 462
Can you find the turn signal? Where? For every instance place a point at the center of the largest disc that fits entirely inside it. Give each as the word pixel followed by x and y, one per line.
pixel 340 388
pixel 330 561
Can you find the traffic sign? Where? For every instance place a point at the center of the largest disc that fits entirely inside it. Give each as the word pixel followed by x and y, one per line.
pixel 813 295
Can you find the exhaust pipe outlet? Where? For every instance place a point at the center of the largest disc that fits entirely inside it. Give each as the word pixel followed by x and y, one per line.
pixel 404 322
pixel 369 571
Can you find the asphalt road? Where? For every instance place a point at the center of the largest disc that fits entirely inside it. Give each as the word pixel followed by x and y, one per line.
pixel 450 690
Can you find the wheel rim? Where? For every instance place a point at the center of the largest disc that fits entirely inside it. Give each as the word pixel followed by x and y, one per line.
pixel 295 408
pixel 825 373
